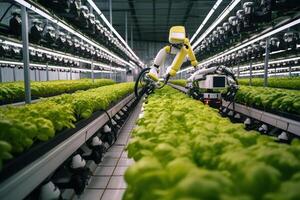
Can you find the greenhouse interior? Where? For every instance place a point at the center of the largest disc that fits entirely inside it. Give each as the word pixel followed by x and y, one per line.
pixel 150 99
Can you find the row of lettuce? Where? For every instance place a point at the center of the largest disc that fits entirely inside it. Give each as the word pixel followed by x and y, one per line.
pixel 266 98
pixel 186 150
pixel 21 126
pixel 270 99
pixel 14 91
pixel 292 83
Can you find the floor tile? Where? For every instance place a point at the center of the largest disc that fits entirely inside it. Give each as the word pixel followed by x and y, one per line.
pixel 121 142
pixel 108 179
pixel 113 194
pixel 121 139
pixel 98 182
pixel 116 148
pixel 90 194
pixel 109 161
pixel 119 171
pixel 125 162
pixel 124 154
pixel 104 171
pixel 116 182
pixel 113 154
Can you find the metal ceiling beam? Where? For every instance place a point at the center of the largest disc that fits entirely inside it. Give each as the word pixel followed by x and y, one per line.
pixel 133 15
pixel 187 12
pixel 162 20
pixel 147 1
pixel 169 12
pixel 154 16
pixel 121 15
pixel 147 9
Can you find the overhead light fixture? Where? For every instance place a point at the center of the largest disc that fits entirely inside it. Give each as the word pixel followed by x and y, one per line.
pixel 277 30
pixel 108 67
pixel 10 62
pixel 95 7
pixel 53 66
pixel 206 19
pixel 225 12
pixel 55 53
pixel 254 65
pixel 271 62
pixel 50 52
pixel 64 26
pixel 271 74
pixel 270 70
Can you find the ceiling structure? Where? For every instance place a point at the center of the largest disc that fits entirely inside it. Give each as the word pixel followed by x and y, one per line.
pixel 152 19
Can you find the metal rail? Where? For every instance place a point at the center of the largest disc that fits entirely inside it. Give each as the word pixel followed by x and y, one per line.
pixel 283 123
pixel 180 88
pixel 27 179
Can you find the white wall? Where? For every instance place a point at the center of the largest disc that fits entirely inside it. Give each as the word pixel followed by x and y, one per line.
pixel 35 75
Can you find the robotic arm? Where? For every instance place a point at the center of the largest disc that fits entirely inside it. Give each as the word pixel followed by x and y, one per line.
pixel 186 51
pixel 161 56
pixel 179 45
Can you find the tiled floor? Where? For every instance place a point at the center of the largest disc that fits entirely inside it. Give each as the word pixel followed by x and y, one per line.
pixel 107 182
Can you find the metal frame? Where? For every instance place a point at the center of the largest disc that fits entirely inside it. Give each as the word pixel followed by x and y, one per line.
pixel 95 7
pixel 283 123
pixel 56 53
pixel 266 66
pixel 55 67
pixel 27 179
pixel 64 25
pixel 246 42
pixel 25 56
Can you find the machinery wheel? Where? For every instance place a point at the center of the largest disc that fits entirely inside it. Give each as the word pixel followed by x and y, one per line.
pixel 142 82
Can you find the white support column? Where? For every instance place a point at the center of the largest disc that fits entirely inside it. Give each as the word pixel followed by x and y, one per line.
pixel 70 73
pixel 250 69
pixel 266 62
pixel 25 50
pixel 47 72
pixel 39 75
pixel 126 28
pixel 1 75
pixel 14 73
pixel 92 74
pixel 35 75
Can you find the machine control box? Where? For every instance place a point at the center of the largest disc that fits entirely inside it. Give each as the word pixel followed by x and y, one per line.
pixel 213 82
